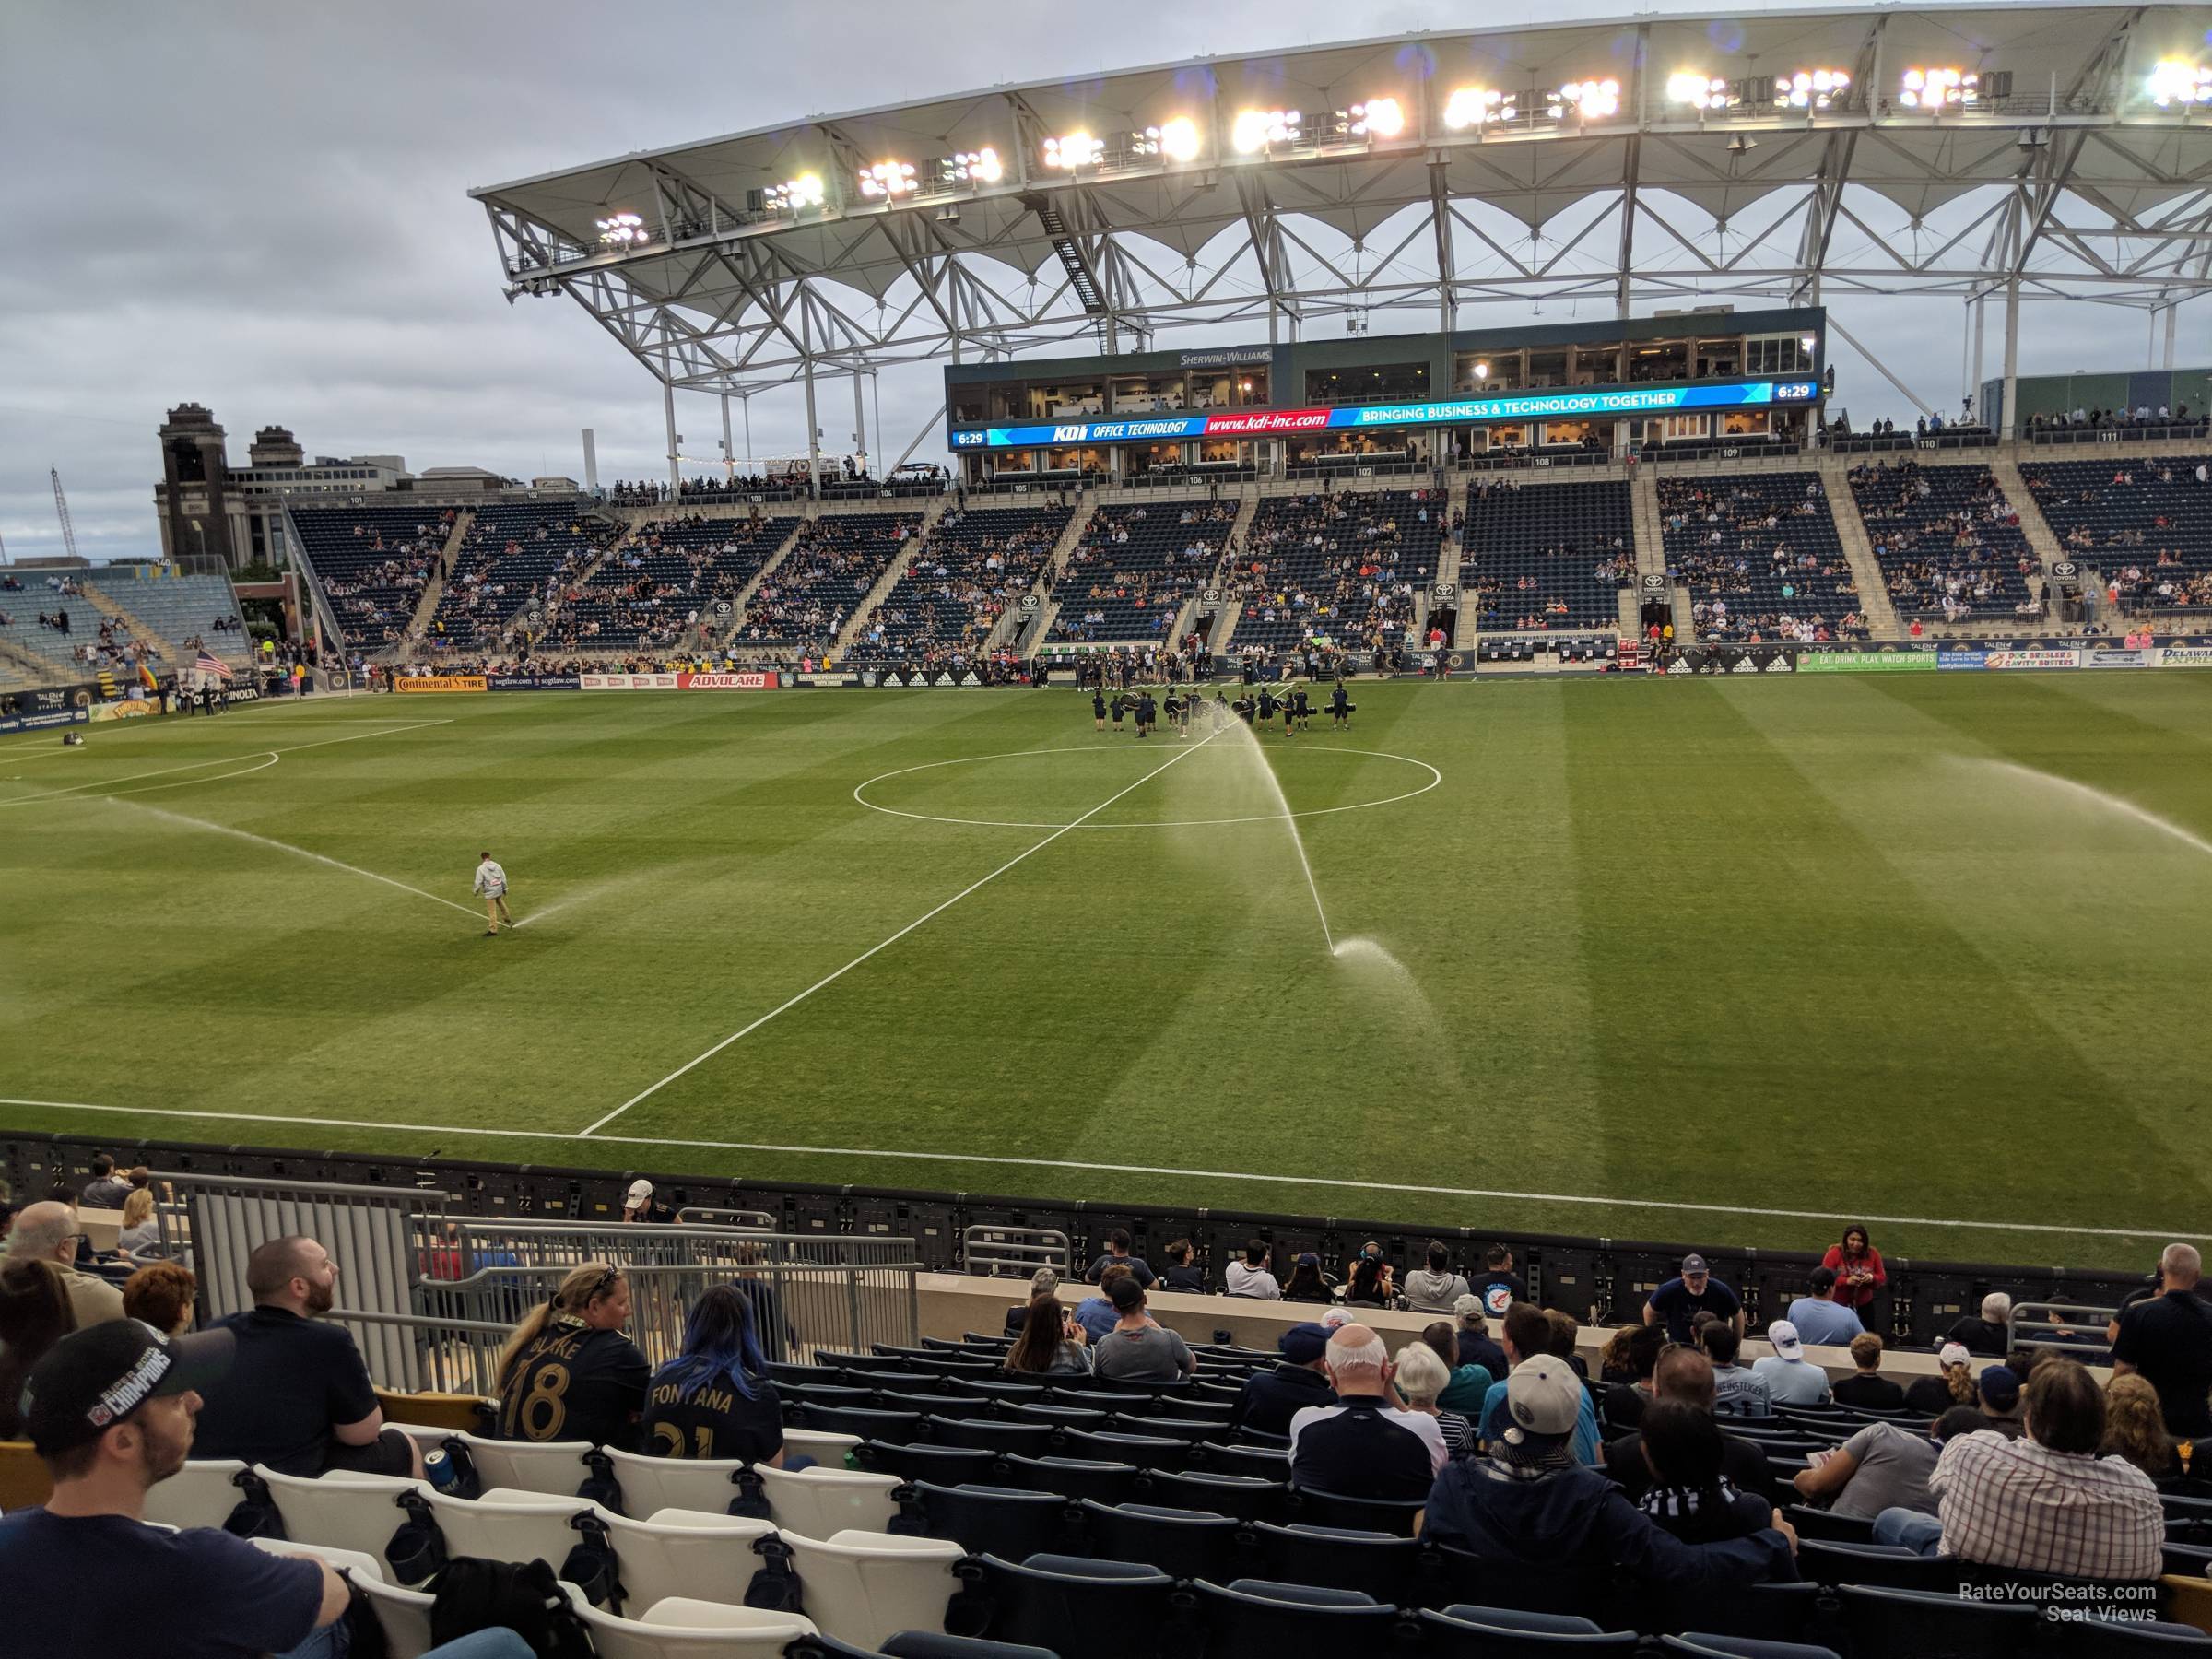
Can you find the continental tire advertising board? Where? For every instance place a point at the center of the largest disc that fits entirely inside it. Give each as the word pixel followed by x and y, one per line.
pixel 1866 662
pixel 439 682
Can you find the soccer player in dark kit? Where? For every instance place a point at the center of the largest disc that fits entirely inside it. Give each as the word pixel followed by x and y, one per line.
pixel 1098 709
pixel 1340 706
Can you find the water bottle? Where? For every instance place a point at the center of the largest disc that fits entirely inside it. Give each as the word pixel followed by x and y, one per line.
pixel 439 1467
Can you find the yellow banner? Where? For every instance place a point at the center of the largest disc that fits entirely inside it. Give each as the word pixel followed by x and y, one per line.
pixel 440 682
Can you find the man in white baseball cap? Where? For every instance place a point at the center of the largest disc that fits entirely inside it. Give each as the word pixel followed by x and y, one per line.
pixel 638 1205
pixel 1790 1377
pixel 1525 1502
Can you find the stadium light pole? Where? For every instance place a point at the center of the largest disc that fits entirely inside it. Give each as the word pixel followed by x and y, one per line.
pixel 676 476
pixel 729 457
pixel 2012 355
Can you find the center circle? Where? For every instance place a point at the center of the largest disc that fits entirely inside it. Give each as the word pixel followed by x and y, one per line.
pixel 860 792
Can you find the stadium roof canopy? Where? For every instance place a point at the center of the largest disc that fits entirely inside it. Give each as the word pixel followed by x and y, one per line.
pixel 2015 151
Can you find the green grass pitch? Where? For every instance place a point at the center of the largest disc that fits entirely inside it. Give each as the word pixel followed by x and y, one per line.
pixel 1898 946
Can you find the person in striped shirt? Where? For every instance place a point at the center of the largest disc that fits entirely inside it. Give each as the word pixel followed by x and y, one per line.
pixel 491 883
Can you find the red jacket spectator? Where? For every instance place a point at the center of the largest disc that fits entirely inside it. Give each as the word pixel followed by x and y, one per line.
pixel 1858 1268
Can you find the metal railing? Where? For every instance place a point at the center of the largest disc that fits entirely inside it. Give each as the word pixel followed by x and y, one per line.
pixel 2075 1328
pixel 1015 1251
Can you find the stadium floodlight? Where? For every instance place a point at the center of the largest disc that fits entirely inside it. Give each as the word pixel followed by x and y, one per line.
pixel 1071 150
pixel 1257 129
pixel 1812 88
pixel 1478 106
pixel 971 166
pixel 1377 118
pixel 1940 87
pixel 794 195
pixel 2178 82
pixel 1590 99
pixel 1178 138
pixel 1700 91
pixel 623 229
pixel 886 179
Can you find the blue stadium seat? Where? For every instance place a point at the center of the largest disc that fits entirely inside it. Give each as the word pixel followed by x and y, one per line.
pixel 1833 1564
pixel 1080 1609
pixel 1074 1478
pixel 1935 1625
pixel 1255 1619
pixel 995 1435
pixel 992 1520
pixel 948 1465
pixel 1244 1496
pixel 1185 1543
pixel 1465 1631
pixel 1742 1647
pixel 1374 1563
pixel 1394 1516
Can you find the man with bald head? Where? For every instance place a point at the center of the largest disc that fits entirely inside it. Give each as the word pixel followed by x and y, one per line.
pixel 2168 1337
pixel 48 1232
pixel 1685 1376
pixel 1364 1446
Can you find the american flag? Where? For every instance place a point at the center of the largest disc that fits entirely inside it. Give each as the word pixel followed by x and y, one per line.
pixel 210 663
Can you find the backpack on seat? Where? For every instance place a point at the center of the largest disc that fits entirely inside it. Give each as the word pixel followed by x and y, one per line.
pixel 475 1594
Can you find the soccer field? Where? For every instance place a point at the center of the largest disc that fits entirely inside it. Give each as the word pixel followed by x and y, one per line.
pixel 1719 960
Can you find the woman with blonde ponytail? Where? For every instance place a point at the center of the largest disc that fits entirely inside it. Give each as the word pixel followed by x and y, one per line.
pixel 567 1372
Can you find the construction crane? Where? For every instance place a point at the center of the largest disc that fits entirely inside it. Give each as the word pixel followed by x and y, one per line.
pixel 61 509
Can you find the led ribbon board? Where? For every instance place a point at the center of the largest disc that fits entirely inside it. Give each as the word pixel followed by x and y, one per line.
pixel 1530 406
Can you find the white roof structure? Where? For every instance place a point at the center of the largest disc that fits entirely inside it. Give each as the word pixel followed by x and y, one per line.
pixel 2015 151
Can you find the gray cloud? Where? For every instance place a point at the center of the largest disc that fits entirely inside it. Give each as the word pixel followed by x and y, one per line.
pixel 266 212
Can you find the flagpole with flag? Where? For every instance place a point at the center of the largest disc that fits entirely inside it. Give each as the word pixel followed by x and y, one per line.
pixel 207 663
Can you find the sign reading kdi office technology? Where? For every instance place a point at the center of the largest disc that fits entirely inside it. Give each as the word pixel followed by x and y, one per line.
pixel 1566 402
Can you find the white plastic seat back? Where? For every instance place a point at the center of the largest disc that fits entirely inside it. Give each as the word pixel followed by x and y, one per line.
pixel 865 1587
pixel 820 1504
pixel 359 1512
pixel 405 1614
pixel 352 1563
pixel 554 1467
pixel 681 1554
pixel 521 1528
pixel 684 1628
pixel 199 1494
pixel 657 1483
pixel 819 1444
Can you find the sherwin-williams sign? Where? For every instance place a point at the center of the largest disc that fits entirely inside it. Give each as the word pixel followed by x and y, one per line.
pixel 1866 662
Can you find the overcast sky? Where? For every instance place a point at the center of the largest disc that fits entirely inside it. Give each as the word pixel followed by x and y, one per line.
pixel 264 210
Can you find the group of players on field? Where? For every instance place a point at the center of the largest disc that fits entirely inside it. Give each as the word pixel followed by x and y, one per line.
pixel 1256 709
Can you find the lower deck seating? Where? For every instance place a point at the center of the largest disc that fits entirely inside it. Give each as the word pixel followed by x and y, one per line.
pixel 1546 557
pixel 2144 525
pixel 372 564
pixel 514 555
pixel 1759 554
pixel 836 560
pixel 1135 568
pixel 976 564
pixel 1948 541
pixel 1346 567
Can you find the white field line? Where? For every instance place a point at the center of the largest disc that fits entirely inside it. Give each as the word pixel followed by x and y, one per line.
pixel 1089 1167
pixel 290 749
pixel 828 979
pixel 263 840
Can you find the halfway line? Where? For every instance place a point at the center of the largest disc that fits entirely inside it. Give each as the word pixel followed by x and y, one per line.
pixel 863 956
pixel 1114 1169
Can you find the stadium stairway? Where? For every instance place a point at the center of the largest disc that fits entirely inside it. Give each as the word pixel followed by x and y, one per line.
pixel 1008 631
pixel 866 608
pixel 2049 549
pixel 1851 530
pixel 20 671
pixel 743 595
pixel 109 606
pixel 419 624
pixel 1247 504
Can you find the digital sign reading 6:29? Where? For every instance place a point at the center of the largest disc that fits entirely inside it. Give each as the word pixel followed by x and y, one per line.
pixel 1565 404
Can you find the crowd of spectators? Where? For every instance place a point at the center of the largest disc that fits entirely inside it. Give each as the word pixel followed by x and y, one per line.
pixel 1652 1478
pixel 2147 528
pixel 2143 416
pixel 1129 576
pixel 1946 540
pixel 807 599
pixel 1761 558
pixel 974 565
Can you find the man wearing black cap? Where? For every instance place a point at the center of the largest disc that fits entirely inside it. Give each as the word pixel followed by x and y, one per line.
pixel 111 1410
pixel 1681 1299
pixel 1526 1503
pixel 1270 1399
